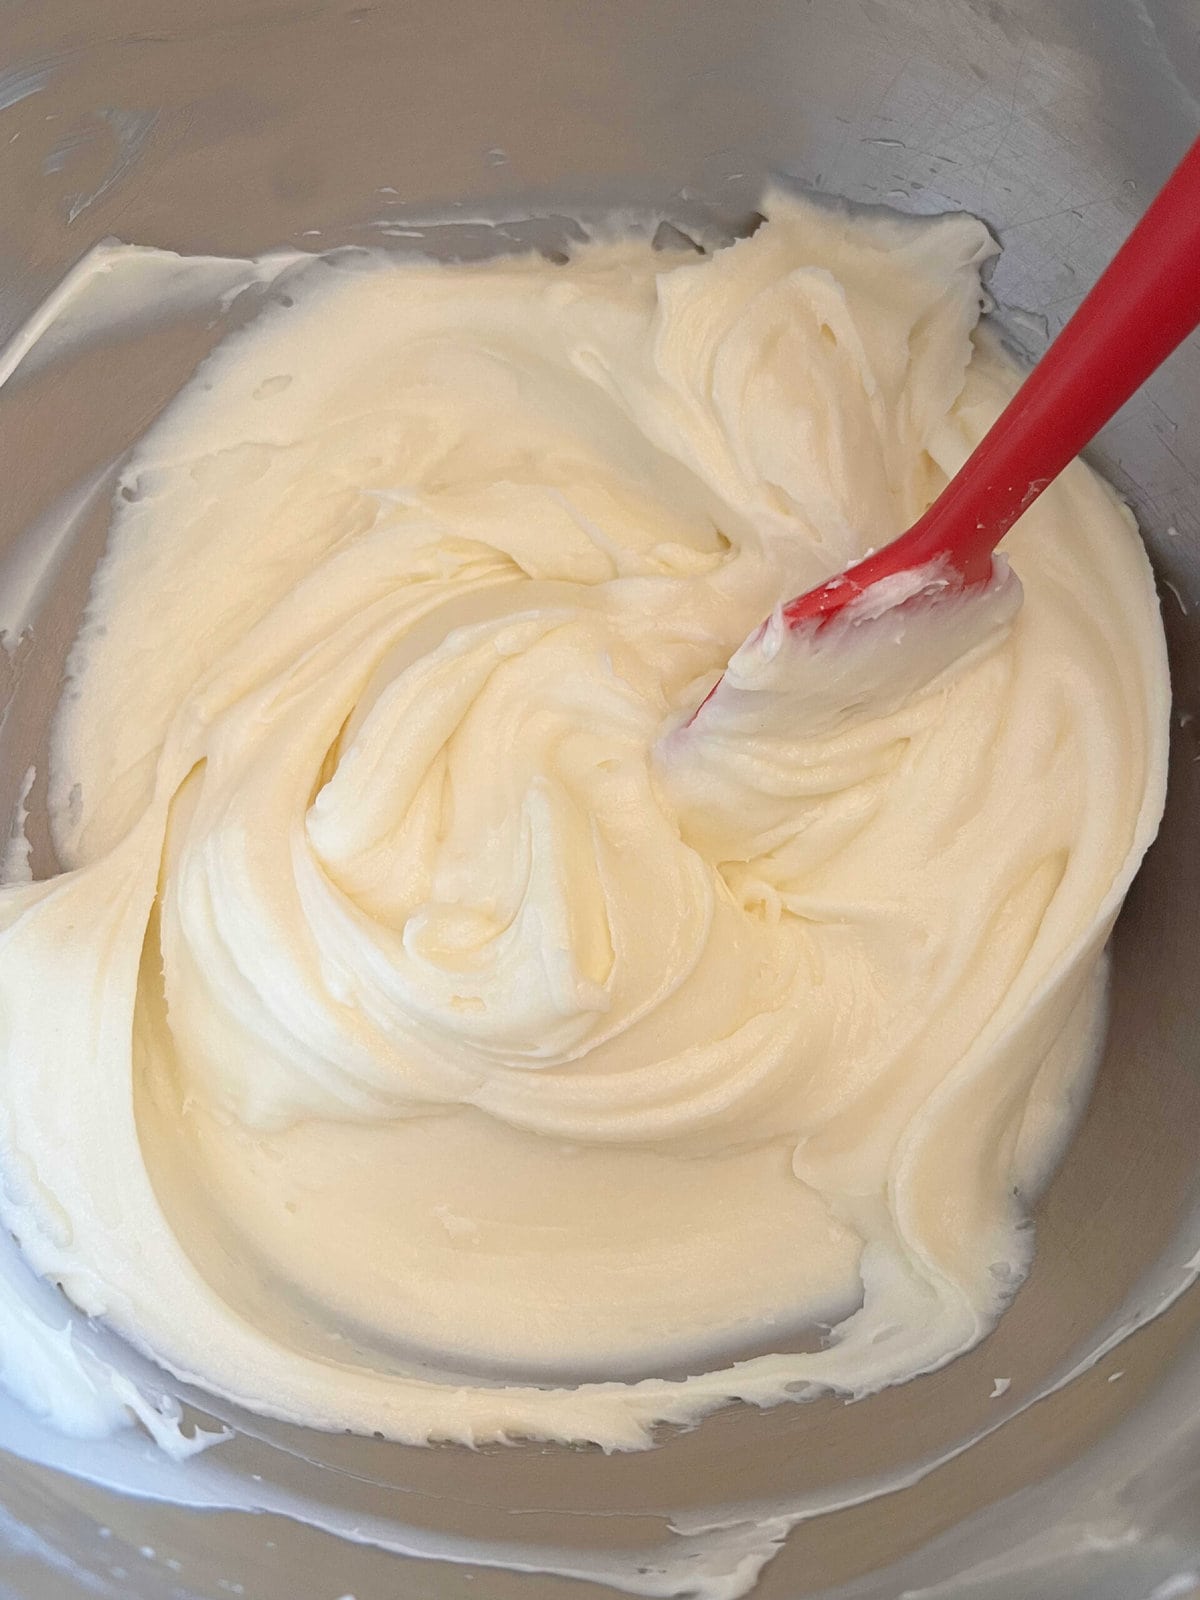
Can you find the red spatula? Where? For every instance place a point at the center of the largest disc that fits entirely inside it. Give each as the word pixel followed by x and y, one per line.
pixel 1145 303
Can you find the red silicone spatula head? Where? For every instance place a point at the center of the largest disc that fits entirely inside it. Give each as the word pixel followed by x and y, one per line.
pixel 1145 303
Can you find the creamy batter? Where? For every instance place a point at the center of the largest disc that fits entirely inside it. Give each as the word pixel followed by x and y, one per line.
pixel 436 1030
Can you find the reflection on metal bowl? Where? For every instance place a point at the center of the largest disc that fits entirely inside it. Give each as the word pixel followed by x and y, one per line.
pixel 490 124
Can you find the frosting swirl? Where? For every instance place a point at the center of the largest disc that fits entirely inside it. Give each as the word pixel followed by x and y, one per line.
pixel 434 1027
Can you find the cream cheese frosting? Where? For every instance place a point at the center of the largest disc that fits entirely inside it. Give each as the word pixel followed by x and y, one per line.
pixel 438 1027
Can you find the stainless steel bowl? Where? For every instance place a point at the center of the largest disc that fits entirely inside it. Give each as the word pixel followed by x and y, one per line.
pixel 477 125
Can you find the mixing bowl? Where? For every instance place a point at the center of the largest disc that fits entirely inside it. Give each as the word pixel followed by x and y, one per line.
pixel 476 126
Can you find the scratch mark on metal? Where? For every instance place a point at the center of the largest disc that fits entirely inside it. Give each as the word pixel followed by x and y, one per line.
pixel 21 82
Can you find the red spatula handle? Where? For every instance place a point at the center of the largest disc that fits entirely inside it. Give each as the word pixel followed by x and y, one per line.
pixel 1144 304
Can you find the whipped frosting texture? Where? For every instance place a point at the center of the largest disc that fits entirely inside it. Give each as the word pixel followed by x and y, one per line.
pixel 438 1028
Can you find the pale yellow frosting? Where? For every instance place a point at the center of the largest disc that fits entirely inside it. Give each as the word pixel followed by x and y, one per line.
pixel 436 1031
